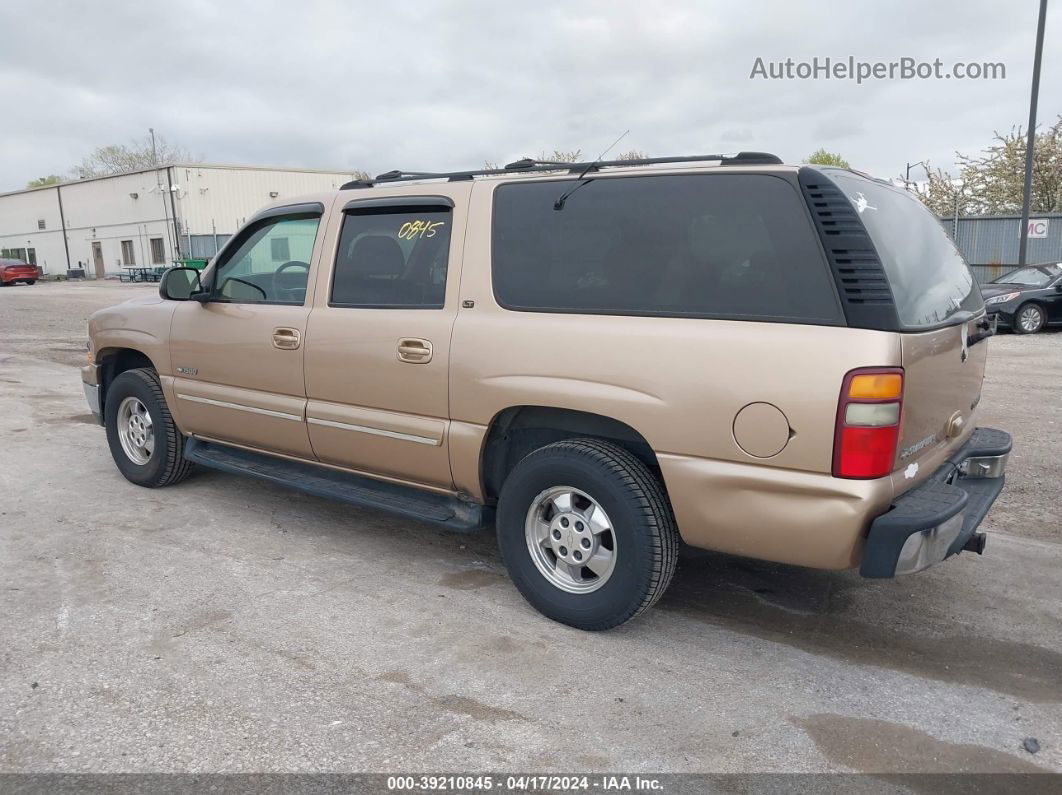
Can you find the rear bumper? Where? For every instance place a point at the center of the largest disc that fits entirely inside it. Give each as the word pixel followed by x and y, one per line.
pixel 10 277
pixel 940 518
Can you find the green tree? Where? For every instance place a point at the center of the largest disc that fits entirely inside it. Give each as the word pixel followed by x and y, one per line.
pixel 559 155
pixel 574 156
pixel 992 182
pixel 136 155
pixel 823 158
pixel 40 182
pixel 563 155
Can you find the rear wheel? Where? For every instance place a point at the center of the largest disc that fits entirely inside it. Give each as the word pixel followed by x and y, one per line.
pixel 1029 319
pixel 31 281
pixel 587 533
pixel 145 443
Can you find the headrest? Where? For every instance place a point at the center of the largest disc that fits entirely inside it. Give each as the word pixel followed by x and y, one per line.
pixel 377 255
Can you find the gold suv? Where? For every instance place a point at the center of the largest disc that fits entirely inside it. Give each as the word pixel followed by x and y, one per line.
pixel 600 358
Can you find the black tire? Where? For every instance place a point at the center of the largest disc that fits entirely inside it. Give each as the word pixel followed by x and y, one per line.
pixel 31 281
pixel 1023 308
pixel 167 464
pixel 646 537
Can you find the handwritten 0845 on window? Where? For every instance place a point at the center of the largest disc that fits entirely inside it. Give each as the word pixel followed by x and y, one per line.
pixel 412 230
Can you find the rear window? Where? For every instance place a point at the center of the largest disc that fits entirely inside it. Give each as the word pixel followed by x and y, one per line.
pixel 1034 276
pixel 930 280
pixel 720 245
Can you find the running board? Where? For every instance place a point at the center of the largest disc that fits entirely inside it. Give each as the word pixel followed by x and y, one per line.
pixel 426 506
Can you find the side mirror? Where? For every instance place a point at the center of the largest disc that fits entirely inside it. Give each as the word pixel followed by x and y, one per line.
pixel 180 284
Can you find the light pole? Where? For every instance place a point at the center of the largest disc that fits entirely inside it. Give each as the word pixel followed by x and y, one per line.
pixel 1031 143
pixel 162 192
pixel 922 163
pixel 957 187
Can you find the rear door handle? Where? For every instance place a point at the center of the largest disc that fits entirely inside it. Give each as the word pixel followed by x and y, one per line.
pixel 287 339
pixel 414 350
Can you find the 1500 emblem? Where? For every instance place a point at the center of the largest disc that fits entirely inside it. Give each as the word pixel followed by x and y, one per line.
pixel 187 370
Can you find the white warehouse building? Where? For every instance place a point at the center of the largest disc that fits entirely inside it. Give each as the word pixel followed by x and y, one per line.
pixel 144 218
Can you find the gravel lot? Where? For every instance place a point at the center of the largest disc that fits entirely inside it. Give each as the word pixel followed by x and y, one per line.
pixel 226 625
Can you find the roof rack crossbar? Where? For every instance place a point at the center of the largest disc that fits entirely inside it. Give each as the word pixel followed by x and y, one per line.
pixel 529 165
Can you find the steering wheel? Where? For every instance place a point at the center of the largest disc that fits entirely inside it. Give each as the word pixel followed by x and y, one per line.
pixel 278 288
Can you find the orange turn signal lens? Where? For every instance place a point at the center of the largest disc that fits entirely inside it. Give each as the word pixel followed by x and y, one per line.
pixel 876 386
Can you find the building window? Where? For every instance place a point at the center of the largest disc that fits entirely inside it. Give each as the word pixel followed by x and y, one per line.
pixel 31 256
pixel 279 249
pixel 40 223
pixel 158 251
pixel 128 255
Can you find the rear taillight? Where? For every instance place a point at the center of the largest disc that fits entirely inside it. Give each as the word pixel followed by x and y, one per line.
pixel 868 422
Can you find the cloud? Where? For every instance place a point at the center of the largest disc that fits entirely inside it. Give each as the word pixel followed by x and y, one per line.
pixel 435 85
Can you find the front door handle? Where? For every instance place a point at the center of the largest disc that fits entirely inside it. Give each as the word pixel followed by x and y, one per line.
pixel 414 350
pixel 287 339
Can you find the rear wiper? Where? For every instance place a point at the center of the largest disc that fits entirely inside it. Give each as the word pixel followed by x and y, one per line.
pixel 986 327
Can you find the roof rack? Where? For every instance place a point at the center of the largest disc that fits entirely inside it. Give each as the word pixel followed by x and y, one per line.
pixel 529 165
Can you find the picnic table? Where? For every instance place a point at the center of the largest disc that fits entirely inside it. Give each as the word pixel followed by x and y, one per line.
pixel 137 274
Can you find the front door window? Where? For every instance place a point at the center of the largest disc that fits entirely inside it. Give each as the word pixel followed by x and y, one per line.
pixel 270 263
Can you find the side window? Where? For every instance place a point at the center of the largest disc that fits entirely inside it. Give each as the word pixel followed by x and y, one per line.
pixel 394 257
pixel 271 262
pixel 720 245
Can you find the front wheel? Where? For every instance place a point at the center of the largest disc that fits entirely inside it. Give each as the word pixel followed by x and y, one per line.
pixel 587 534
pixel 31 281
pixel 145 443
pixel 1029 319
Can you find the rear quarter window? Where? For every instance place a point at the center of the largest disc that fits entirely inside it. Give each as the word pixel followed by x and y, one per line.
pixel 930 281
pixel 718 245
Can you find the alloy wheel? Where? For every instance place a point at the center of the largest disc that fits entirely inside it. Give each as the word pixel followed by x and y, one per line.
pixel 1030 319
pixel 571 539
pixel 135 430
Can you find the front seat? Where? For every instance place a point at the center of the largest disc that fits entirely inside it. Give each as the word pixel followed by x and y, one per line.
pixel 372 273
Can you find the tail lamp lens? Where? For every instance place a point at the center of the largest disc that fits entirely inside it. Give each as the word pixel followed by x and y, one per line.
pixel 868 423
pixel 873 415
pixel 875 386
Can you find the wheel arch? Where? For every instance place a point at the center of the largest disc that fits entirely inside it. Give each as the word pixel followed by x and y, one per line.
pixel 115 360
pixel 518 430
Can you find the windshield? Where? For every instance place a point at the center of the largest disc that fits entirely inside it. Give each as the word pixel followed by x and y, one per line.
pixel 1035 276
pixel 930 281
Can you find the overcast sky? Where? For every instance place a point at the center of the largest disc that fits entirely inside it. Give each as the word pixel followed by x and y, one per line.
pixel 433 85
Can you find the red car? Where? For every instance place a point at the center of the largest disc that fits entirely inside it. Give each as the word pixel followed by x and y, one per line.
pixel 13 270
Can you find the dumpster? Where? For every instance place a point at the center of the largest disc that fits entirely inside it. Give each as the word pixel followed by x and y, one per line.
pixel 192 262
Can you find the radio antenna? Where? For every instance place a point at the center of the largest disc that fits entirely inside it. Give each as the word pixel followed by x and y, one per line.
pixel 559 204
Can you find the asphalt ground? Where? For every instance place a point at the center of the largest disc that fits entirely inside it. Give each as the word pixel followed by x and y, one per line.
pixel 226 625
